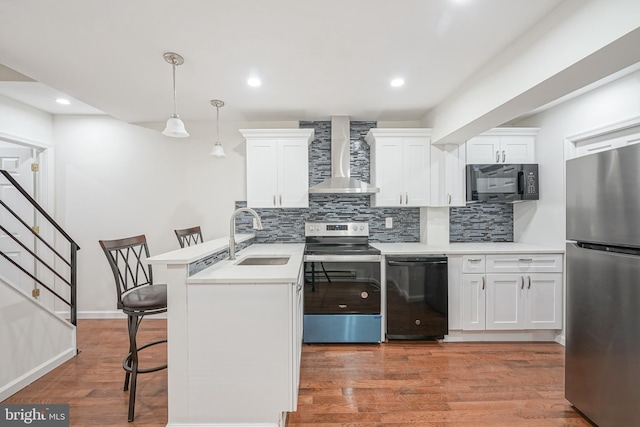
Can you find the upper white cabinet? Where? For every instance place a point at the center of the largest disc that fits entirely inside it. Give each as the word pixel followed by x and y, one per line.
pixel 502 145
pixel 448 175
pixel 278 167
pixel 400 166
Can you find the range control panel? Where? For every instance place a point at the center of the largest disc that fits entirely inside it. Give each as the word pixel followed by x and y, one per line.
pixel 336 229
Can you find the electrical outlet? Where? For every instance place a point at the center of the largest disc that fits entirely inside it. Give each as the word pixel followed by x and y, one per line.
pixel 388 223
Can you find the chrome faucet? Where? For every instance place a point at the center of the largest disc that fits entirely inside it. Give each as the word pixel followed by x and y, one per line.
pixel 232 229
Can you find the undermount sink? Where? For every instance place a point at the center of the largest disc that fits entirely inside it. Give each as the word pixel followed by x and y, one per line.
pixel 264 260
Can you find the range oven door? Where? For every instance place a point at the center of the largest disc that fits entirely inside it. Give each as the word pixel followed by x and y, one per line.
pixel 342 301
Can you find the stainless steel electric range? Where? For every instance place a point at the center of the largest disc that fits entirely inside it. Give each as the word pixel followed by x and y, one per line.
pixel 343 288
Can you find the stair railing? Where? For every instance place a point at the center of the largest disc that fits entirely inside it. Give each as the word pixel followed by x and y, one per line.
pixel 69 260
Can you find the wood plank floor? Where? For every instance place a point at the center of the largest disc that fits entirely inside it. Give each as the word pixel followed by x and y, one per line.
pixel 398 384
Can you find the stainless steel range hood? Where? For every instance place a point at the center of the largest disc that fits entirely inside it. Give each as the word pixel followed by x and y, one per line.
pixel 341 181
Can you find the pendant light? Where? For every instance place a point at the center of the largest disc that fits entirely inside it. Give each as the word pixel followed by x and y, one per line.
pixel 175 126
pixel 218 149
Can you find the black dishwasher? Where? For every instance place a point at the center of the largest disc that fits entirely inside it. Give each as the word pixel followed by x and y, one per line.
pixel 417 297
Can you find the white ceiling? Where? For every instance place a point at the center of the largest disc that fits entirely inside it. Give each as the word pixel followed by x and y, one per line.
pixel 316 59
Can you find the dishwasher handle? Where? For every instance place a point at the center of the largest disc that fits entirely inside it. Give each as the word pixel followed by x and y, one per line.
pixel 415 261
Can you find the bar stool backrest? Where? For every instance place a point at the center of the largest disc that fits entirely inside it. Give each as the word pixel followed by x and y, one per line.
pixel 127 259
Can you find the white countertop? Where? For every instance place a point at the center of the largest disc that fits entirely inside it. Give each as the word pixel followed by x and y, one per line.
pixel 463 248
pixel 194 253
pixel 227 271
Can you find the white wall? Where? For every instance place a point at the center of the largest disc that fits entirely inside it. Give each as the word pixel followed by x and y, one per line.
pixel 544 221
pixel 25 123
pixel 117 180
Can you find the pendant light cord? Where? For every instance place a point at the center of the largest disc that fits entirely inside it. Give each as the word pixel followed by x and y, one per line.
pixel 175 109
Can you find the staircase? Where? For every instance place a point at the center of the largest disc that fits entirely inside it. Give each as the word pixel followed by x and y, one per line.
pixel 38 271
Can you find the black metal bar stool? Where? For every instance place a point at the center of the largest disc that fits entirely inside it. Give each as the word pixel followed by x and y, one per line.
pixel 189 236
pixel 138 296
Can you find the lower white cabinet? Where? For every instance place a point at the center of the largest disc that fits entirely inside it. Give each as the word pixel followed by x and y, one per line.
pixel 244 340
pixel 512 292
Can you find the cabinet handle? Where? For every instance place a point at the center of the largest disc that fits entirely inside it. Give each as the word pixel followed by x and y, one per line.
pixel 474 259
pixel 449 198
pixel 298 288
pixel 280 200
pixel 400 198
pixel 497 156
pixel 504 157
pixel 529 279
pixel 525 259
pixel 406 198
pixel 483 283
pixel 274 200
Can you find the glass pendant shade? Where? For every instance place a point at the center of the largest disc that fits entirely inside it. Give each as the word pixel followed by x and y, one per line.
pixel 218 150
pixel 175 128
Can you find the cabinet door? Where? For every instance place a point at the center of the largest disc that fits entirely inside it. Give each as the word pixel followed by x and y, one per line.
pixel 483 149
pixel 262 173
pixel 293 174
pixel 415 171
pixel 505 301
pixel 455 182
pixel 388 172
pixel 447 175
pixel 543 301
pixel 517 149
pixel 473 302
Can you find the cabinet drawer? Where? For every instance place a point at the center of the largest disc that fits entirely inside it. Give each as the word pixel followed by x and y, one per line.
pixel 540 263
pixel 473 263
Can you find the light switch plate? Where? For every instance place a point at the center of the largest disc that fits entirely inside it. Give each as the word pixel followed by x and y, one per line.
pixel 388 223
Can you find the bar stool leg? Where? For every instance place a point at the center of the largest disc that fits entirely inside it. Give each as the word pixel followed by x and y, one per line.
pixel 134 322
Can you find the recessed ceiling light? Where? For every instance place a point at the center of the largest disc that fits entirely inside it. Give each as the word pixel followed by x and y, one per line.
pixel 397 82
pixel 254 82
pixel 63 101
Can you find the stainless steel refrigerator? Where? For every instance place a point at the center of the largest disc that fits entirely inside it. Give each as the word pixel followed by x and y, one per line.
pixel 602 374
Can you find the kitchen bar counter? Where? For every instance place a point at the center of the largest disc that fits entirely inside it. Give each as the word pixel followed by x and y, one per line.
pixel 464 248
pixel 216 319
pixel 228 271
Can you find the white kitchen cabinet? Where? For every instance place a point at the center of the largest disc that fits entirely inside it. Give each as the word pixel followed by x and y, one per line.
pixel 512 292
pixel 448 175
pixel 278 167
pixel 244 340
pixel 502 145
pixel 596 145
pixel 400 166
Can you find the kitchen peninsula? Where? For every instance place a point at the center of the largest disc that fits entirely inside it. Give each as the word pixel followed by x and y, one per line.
pixel 234 334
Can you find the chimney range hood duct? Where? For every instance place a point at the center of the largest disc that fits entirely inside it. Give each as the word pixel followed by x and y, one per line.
pixel 341 181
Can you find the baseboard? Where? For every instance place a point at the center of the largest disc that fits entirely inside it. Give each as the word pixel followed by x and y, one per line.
pixel 480 336
pixel 36 373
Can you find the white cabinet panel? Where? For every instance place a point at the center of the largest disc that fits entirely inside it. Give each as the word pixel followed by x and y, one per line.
pixel 543 301
pixel 400 166
pixel 473 302
pixel 512 291
pixel 502 145
pixel 504 301
pixel 448 175
pixel 277 167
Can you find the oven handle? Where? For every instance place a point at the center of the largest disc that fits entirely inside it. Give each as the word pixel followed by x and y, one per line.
pixel 343 258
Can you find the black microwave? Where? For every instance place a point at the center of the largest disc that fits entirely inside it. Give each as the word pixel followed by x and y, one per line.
pixel 502 183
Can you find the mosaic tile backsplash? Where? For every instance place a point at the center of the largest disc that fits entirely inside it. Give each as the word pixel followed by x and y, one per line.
pixel 480 222
pixel 287 225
